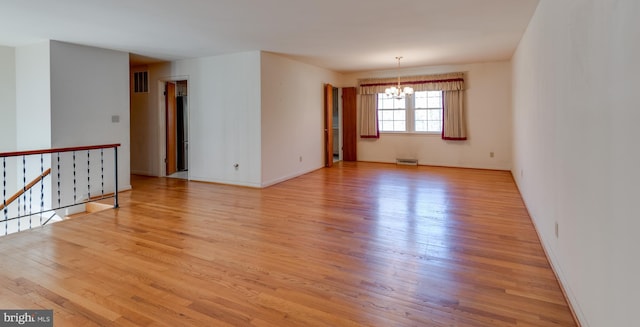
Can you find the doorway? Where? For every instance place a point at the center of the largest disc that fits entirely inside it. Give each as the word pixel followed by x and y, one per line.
pixel 340 129
pixel 177 129
pixel 328 125
pixel 336 126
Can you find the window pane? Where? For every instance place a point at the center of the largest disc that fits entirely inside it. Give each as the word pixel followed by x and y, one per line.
pixel 385 104
pixel 434 126
pixel 435 102
pixel 421 99
pixel 392 114
pixel 421 126
pixel 434 114
pixel 421 114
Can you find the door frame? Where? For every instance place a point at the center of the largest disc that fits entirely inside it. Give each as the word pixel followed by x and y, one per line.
pixel 328 125
pixel 339 108
pixel 171 128
pixel 162 122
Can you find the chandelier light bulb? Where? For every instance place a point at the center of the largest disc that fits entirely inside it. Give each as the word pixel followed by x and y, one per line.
pixel 398 92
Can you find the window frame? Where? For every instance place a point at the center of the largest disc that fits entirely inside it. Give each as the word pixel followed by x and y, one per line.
pixel 380 112
pixel 410 114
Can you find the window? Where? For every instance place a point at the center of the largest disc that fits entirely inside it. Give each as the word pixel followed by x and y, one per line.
pixel 428 111
pixel 392 114
pixel 420 112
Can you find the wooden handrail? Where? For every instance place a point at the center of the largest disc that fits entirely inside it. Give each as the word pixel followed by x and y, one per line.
pixel 26 188
pixel 45 151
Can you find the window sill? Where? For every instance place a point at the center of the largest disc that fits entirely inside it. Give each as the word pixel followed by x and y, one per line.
pixel 413 133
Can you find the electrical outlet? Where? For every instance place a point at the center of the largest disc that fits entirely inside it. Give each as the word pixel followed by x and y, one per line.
pixel 490 154
pixel 521 173
pixel 300 158
pixel 557 230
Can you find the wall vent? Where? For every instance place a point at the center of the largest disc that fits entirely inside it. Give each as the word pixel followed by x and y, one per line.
pixel 407 162
pixel 141 82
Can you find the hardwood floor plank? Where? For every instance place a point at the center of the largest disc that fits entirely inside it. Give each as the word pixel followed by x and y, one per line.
pixel 359 244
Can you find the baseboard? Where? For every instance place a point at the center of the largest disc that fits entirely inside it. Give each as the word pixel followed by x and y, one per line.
pixel 222 181
pixel 143 173
pixel 288 177
pixel 431 164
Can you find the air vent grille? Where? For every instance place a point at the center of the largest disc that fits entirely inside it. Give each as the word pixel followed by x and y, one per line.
pixel 407 162
pixel 141 82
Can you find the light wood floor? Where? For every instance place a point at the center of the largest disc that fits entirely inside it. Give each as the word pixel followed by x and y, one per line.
pixel 355 245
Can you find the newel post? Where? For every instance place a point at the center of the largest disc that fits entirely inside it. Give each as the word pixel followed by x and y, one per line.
pixel 115 194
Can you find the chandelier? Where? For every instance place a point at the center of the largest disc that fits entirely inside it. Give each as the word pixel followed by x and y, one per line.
pixel 398 92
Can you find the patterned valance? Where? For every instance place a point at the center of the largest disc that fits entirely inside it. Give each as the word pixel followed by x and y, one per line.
pixel 442 82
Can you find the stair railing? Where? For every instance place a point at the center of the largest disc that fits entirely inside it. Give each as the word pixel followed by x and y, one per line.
pixel 24 189
pixel 71 183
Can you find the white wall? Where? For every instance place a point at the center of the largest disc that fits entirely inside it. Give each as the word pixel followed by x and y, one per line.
pixel 576 158
pixel 292 117
pixel 7 99
pixel 488 109
pixel 224 118
pixel 147 122
pixel 88 86
pixel 139 116
pixel 33 111
pixel 33 97
pixel 241 110
pixel 8 116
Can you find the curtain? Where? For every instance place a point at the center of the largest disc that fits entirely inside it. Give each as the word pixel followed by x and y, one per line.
pixel 453 117
pixel 442 82
pixel 452 86
pixel 369 114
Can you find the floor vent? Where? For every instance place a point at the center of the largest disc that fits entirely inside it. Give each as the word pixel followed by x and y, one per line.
pixel 407 162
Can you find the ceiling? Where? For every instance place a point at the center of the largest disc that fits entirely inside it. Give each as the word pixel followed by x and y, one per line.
pixel 340 35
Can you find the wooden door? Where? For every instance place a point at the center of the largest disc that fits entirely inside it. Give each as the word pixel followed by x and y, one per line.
pixel 349 125
pixel 172 127
pixel 328 125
